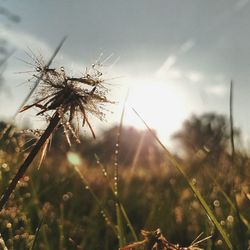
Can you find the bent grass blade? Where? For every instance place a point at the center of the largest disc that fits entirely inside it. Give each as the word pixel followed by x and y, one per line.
pixel 39 79
pixel 104 212
pixel 195 191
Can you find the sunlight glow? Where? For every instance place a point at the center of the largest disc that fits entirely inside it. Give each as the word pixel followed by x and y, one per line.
pixel 162 106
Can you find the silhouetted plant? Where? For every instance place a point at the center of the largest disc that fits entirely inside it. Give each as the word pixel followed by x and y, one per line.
pixel 63 100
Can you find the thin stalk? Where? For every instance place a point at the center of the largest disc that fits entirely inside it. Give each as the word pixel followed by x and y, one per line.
pixel 125 215
pixel 241 233
pixel 104 211
pixel 4 131
pixel 39 78
pixel 121 234
pixel 37 233
pixel 23 168
pixel 7 58
pixel 61 227
pixel 129 224
pixel 40 215
pixel 232 204
pixel 2 243
pixel 121 238
pixel 192 186
pixel 34 87
pixel 231 121
pixel 116 175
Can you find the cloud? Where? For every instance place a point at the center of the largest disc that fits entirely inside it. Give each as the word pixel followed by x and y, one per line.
pixel 218 90
pixel 22 40
pixel 194 77
pixel 166 66
pixel 241 4
pixel 167 69
pixel 187 46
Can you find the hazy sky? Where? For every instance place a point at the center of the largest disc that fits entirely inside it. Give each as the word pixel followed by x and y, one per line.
pixel 188 48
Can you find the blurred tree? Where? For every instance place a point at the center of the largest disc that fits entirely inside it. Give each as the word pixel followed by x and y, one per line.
pixel 135 147
pixel 208 132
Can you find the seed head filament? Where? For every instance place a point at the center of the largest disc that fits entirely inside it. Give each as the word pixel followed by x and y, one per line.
pixel 64 100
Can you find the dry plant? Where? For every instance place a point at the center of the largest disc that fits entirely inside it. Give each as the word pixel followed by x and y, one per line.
pixel 64 101
pixel 154 240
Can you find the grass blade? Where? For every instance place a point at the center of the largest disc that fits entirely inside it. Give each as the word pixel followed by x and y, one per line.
pixel 7 57
pixel 37 233
pixel 104 211
pixel 121 234
pixel 128 222
pixel 2 243
pixel 196 192
pixel 232 205
pixel 231 121
pixel 122 239
pixel 38 80
pixel 23 168
pixel 124 213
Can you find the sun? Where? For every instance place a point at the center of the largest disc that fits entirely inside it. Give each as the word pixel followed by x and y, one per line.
pixel 163 106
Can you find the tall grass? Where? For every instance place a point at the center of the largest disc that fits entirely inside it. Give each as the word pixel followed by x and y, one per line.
pixel 192 186
pixel 61 99
pixel 69 204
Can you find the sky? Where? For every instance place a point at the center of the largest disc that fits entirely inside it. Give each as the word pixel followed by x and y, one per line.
pixel 174 57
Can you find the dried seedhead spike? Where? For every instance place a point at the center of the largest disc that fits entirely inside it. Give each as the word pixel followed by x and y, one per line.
pixel 72 98
pixel 154 240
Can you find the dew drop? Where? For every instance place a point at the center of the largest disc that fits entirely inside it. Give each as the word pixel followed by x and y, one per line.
pixel 230 219
pixel 26 178
pixel 223 223
pixel 219 242
pixel 4 165
pixel 217 203
pixel 194 182
pixel 65 197
pixel 8 225
pixel 38 69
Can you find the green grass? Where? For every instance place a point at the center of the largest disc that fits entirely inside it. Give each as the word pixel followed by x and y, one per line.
pixel 53 209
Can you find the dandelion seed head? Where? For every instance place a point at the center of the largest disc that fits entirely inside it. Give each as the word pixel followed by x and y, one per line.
pixel 72 98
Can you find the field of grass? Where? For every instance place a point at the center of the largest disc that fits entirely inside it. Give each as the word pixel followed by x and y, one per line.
pixel 60 190
pixel 125 190
pixel 73 203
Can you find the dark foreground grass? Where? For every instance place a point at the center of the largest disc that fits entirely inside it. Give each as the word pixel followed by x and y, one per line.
pixel 52 208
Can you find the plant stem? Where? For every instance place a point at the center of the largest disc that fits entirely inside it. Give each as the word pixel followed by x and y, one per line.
pixel 195 191
pixel 52 125
pixel 231 121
